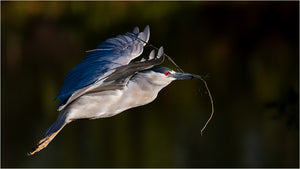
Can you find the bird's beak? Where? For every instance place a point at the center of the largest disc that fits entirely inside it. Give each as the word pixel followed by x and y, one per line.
pixel 183 76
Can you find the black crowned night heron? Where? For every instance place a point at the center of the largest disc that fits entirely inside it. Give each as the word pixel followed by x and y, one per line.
pixel 107 82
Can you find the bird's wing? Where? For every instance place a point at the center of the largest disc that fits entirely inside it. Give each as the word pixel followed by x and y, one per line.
pixel 109 54
pixel 118 77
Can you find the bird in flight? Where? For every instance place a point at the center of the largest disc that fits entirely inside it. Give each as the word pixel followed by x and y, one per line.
pixel 108 82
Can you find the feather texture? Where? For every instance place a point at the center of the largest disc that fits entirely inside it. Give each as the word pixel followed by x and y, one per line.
pixel 110 54
pixel 116 78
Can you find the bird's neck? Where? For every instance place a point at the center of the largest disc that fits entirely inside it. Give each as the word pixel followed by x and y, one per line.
pixel 141 91
pixel 146 84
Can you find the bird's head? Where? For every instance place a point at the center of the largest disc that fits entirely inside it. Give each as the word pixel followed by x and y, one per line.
pixel 162 76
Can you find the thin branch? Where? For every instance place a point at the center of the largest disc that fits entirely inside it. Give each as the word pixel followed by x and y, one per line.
pixel 211 101
pixel 197 76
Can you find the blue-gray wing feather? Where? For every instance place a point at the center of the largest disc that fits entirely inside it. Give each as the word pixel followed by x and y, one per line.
pixel 109 55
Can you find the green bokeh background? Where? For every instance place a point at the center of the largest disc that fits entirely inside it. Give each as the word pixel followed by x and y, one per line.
pixel 250 50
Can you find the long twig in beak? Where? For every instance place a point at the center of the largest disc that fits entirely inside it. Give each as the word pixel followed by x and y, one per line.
pixel 196 76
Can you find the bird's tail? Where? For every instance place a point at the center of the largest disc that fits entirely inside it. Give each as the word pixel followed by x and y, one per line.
pixel 51 132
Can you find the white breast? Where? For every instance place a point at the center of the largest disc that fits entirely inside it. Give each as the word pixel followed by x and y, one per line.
pixel 109 103
pixel 94 105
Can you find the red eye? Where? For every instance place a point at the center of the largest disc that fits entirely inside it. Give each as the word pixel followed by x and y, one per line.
pixel 167 73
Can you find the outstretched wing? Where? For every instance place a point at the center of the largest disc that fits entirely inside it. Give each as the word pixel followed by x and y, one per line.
pixel 117 78
pixel 109 54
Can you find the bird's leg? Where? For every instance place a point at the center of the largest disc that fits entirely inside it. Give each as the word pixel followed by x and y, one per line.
pixel 45 141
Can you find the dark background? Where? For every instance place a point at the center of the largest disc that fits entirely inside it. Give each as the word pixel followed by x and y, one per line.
pixel 249 49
